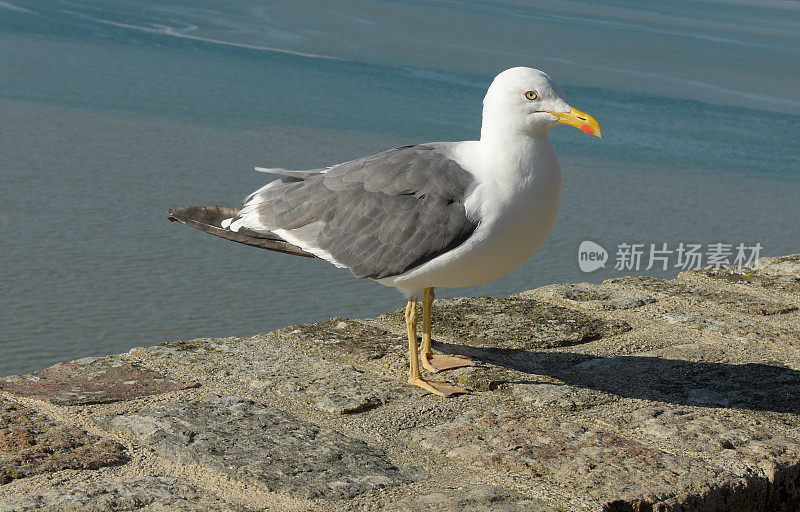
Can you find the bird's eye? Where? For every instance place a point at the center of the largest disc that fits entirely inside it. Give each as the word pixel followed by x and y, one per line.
pixel 531 95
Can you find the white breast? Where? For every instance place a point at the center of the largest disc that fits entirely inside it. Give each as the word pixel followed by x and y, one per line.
pixel 516 202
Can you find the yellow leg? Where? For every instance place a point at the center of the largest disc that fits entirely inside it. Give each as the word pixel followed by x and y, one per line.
pixel 414 375
pixel 430 361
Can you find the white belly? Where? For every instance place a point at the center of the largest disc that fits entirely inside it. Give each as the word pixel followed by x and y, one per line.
pixel 514 225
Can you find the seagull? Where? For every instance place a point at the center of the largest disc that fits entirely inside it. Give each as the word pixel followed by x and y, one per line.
pixel 441 214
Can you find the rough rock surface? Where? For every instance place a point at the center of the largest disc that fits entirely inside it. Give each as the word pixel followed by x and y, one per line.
pixel 638 394
pixel 262 446
pixel 31 444
pixel 148 493
pixel 91 380
pixel 517 322
pixel 735 300
pixel 472 498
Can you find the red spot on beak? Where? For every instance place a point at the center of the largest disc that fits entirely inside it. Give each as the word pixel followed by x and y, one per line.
pixel 585 128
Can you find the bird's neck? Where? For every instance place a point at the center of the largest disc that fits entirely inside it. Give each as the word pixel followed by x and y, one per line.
pixel 521 154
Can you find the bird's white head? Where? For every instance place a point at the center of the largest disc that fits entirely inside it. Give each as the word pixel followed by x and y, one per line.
pixel 527 101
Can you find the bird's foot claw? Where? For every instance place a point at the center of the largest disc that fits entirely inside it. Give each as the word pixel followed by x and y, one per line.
pixel 440 362
pixel 437 387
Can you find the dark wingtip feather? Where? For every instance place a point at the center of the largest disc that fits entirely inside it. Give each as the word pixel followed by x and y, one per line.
pixel 209 219
pixel 208 215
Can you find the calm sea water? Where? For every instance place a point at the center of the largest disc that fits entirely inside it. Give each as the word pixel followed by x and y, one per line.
pixel 111 112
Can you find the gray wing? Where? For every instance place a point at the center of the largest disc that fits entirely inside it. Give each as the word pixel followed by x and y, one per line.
pixel 379 216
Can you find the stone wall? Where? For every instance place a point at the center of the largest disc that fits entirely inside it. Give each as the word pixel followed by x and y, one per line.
pixel 638 394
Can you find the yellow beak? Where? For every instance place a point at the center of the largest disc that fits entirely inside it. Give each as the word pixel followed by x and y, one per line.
pixel 580 120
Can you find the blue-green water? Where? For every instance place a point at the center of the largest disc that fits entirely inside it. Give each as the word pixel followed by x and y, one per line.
pixel 111 112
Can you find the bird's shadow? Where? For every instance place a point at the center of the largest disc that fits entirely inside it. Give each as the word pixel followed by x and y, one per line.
pixel 752 386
